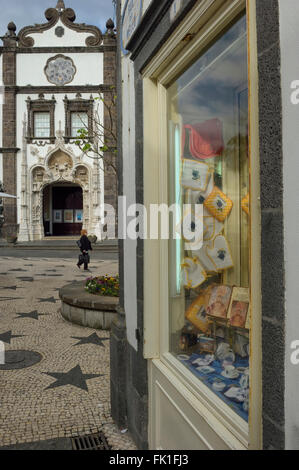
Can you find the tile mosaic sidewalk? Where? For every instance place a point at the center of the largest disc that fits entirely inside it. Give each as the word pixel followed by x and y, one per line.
pixel 67 393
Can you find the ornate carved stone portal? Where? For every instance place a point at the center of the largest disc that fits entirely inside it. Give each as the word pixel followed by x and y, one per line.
pixel 58 167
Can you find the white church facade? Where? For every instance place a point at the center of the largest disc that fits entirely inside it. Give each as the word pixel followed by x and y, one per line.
pixel 52 74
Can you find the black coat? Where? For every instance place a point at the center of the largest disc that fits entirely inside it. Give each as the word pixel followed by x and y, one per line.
pixel 85 243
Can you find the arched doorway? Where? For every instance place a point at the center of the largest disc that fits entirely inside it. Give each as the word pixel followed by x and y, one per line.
pixel 62 209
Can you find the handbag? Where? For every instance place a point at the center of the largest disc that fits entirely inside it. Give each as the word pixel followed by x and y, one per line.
pixel 86 258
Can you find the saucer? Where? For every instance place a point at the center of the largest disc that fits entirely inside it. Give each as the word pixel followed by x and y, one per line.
pixel 205 369
pixel 204 361
pixel 183 357
pixel 234 375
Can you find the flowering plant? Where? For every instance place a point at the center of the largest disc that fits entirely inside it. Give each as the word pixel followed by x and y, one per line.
pixel 103 285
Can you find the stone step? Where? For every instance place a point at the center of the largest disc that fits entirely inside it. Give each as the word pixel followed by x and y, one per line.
pixel 60 244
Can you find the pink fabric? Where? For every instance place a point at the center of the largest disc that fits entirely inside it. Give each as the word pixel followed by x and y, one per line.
pixel 205 139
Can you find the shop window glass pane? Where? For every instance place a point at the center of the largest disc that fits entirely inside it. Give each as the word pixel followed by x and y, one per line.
pixel 209 169
pixel 41 124
pixel 79 121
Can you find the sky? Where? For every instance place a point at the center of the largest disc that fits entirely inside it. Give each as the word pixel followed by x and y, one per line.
pixel 27 12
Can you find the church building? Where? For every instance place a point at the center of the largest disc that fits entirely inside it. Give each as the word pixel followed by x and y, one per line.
pixel 52 75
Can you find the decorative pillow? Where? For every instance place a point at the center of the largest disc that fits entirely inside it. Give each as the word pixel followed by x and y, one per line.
pixel 193 273
pixel 192 223
pixel 220 253
pixel 195 175
pixel 196 313
pixel 199 197
pixel 211 226
pixel 218 204
pixel 204 259
pixel 245 204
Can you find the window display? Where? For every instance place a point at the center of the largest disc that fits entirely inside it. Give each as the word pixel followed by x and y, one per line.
pixel 209 166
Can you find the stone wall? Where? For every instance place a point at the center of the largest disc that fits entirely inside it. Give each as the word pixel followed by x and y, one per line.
pixel 9 131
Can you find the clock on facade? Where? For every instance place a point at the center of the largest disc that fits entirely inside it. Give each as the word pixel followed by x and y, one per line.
pixel 60 70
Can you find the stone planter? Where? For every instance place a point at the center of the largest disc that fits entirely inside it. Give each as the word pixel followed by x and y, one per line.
pixel 85 309
pixel 11 239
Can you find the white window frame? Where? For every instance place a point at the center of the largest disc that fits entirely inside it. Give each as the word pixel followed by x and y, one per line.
pixel 205 21
pixel 77 114
pixel 35 115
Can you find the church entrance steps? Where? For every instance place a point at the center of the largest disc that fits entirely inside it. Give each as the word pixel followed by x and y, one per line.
pixel 57 243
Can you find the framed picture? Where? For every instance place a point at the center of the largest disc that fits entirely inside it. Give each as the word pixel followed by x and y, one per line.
pixel 207 344
pixel 57 216
pixel 238 313
pixel 79 216
pixel 69 216
pixel 219 301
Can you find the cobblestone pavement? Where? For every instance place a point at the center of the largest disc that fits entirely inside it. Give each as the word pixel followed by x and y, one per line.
pixel 30 410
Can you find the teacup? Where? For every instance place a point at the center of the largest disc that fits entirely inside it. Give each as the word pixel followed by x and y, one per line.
pixel 244 380
pixel 229 371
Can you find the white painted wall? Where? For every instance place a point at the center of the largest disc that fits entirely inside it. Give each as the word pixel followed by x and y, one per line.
pixel 129 190
pixel 30 69
pixel 289 18
pixel 49 39
pixel 146 4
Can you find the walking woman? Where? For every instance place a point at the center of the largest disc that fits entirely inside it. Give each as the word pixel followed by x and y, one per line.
pixel 84 245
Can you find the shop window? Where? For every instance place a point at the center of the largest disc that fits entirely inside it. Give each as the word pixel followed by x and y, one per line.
pixel 41 119
pixel 209 166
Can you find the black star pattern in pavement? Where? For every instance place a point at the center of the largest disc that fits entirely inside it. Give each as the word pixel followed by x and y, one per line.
pixel 73 377
pixel 33 315
pixel 26 279
pixel 49 275
pixel 92 339
pixel 11 287
pixel 51 270
pixel 50 299
pixel 19 270
pixel 5 299
pixel 7 337
pixel 28 265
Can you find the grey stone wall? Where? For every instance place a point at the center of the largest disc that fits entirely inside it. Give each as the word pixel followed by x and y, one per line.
pixel 9 131
pixel 272 246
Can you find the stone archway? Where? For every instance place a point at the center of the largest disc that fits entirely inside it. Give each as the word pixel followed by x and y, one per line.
pixel 60 167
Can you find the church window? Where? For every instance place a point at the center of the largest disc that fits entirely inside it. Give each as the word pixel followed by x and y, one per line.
pixel 78 115
pixel 41 124
pixel 41 119
pixel 79 121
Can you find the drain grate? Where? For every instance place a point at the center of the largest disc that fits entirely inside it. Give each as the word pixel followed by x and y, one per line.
pixel 90 442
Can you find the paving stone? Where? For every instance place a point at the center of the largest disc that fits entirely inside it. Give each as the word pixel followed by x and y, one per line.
pixel 31 412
